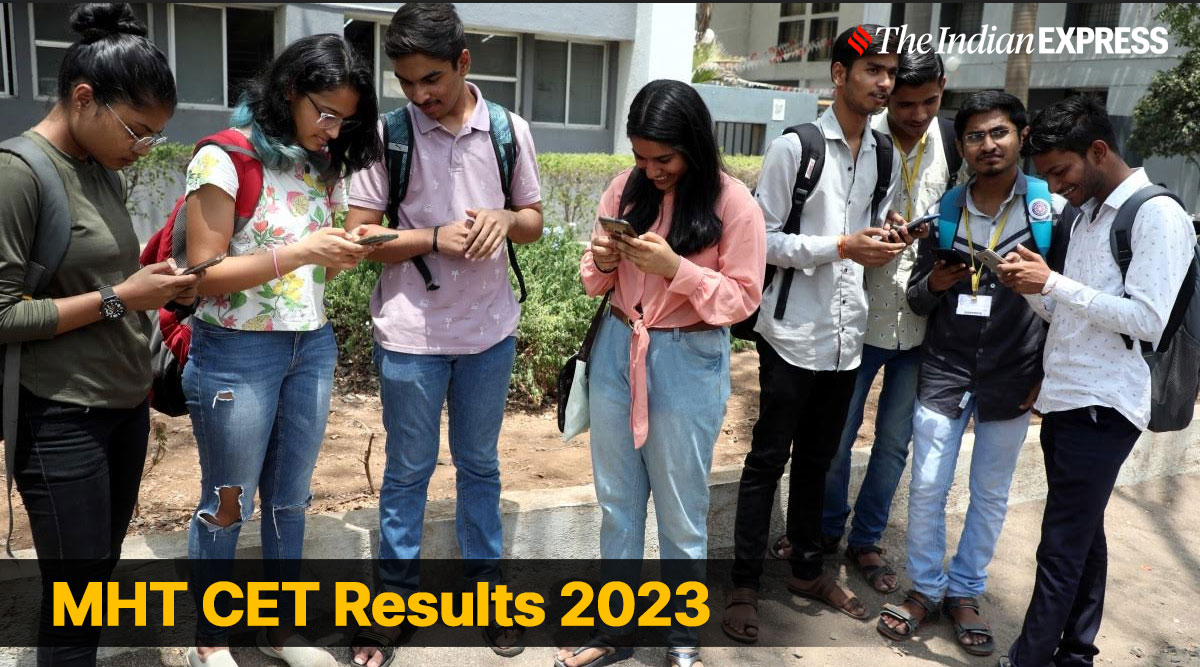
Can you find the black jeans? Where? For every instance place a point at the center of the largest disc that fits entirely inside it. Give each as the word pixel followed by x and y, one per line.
pixel 78 471
pixel 801 413
pixel 1084 451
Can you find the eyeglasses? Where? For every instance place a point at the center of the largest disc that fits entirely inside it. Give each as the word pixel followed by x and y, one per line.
pixel 141 145
pixel 996 133
pixel 328 121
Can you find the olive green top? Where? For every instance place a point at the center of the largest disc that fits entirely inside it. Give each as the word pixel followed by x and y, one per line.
pixel 104 364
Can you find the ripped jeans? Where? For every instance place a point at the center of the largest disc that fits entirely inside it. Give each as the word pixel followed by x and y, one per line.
pixel 259 402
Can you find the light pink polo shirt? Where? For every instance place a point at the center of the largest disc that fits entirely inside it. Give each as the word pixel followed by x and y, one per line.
pixel 475 307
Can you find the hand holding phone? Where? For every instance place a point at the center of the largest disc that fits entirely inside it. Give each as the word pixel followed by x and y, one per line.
pixel 989 258
pixel 377 238
pixel 191 270
pixel 617 227
pixel 950 256
pixel 912 226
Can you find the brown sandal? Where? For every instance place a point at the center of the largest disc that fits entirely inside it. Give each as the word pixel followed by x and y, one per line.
pixel 823 589
pixel 739 597
pixel 872 573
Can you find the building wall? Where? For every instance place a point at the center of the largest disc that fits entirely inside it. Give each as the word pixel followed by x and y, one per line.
pixel 742 105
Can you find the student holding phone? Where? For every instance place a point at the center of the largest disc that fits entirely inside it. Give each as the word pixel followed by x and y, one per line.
pixel 660 361
pixel 260 370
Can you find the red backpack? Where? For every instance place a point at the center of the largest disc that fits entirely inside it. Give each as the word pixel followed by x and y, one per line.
pixel 172 331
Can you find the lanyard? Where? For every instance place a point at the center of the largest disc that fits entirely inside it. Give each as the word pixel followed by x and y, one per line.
pixel 966 222
pixel 911 178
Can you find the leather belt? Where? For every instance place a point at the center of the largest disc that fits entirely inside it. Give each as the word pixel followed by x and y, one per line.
pixel 699 326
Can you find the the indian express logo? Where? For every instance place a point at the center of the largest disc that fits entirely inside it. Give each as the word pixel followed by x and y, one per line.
pixel 1075 41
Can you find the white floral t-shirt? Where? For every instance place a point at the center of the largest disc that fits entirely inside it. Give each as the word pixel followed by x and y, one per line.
pixel 293 204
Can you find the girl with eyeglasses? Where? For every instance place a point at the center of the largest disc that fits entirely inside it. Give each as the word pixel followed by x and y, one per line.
pixel 79 429
pixel 260 367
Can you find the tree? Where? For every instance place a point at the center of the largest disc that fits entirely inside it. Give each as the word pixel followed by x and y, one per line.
pixel 1016 71
pixel 1166 121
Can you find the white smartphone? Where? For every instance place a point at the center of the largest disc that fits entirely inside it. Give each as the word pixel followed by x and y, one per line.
pixel 989 258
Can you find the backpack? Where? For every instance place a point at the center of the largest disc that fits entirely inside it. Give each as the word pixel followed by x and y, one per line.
pixel 950 151
pixel 171 335
pixel 1039 211
pixel 1175 363
pixel 812 162
pixel 51 239
pixel 398 149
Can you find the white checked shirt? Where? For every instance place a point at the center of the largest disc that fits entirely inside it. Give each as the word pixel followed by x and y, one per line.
pixel 891 324
pixel 826 317
pixel 1086 361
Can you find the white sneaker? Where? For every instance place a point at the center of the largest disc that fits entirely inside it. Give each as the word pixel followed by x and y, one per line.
pixel 221 658
pixel 295 653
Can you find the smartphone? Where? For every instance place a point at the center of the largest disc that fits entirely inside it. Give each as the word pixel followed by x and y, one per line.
pixel 377 238
pixel 950 256
pixel 203 265
pixel 989 258
pixel 912 226
pixel 617 227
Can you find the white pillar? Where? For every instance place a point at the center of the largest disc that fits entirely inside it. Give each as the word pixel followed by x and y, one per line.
pixel 661 49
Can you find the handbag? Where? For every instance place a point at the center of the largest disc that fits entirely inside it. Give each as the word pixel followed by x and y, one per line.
pixel 573 416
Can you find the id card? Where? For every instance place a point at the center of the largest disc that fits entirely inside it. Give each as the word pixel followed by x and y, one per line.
pixel 976 306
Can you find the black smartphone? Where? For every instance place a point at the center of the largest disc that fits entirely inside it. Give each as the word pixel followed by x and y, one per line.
pixel 950 256
pixel 203 265
pixel 617 227
pixel 912 226
pixel 377 238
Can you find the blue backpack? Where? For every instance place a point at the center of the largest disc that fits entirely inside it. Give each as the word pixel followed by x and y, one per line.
pixel 1038 207
pixel 398 149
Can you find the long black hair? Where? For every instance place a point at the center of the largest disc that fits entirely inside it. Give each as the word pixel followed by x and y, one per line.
pixel 114 56
pixel 311 64
pixel 672 113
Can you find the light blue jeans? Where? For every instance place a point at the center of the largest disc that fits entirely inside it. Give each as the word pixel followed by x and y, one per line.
pixel 413 388
pixel 889 452
pixel 936 442
pixel 259 401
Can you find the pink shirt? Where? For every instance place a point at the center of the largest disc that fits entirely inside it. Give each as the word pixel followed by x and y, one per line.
pixel 475 307
pixel 720 285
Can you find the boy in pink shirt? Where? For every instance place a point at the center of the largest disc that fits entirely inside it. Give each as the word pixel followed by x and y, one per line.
pixel 454 343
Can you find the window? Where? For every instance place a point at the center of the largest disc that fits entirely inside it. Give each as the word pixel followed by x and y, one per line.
pixel 494 67
pixel 569 82
pixel 240 40
pixel 740 138
pixel 52 37
pixel 807 30
pixel 1093 15
pixel 965 18
pixel 6 55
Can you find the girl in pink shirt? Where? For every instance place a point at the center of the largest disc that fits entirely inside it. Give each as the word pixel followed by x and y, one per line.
pixel 660 362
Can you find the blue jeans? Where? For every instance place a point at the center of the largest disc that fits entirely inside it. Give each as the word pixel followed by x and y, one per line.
pixel 889 453
pixel 687 385
pixel 259 401
pixel 936 441
pixel 413 388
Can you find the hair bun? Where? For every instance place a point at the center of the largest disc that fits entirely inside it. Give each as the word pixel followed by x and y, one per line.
pixel 98 20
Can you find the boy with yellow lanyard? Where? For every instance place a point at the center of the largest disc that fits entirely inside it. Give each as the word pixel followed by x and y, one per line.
pixel 981 360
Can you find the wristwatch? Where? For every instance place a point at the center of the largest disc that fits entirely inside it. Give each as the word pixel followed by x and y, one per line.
pixel 111 305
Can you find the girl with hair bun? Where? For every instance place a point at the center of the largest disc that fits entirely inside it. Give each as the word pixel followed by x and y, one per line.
pixel 78 436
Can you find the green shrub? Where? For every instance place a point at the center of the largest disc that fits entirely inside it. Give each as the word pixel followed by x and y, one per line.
pixel 348 307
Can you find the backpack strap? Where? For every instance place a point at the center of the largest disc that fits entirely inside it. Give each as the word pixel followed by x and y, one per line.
pixel 949 215
pixel 1039 212
pixel 397 156
pixel 504 144
pixel 950 150
pixel 883 171
pixel 52 237
pixel 1120 241
pixel 249 171
pixel 812 163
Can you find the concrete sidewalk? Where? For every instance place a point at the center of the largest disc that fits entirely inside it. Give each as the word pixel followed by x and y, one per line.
pixel 1154 578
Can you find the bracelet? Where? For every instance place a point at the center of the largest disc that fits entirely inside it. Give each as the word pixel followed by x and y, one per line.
pixel 435 231
pixel 275 261
pixel 602 270
pixel 841 247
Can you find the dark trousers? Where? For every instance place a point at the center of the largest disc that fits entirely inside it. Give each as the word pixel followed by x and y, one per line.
pixel 801 414
pixel 1084 451
pixel 78 470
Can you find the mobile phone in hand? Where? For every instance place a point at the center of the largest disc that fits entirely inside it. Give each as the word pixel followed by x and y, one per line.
pixel 950 256
pixel 912 226
pixel 617 227
pixel 377 238
pixel 989 258
pixel 203 265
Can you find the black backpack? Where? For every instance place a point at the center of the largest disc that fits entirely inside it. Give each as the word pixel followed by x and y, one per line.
pixel 812 161
pixel 51 239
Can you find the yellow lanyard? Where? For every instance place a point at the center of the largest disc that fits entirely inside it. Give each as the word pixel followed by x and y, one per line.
pixel 966 222
pixel 912 178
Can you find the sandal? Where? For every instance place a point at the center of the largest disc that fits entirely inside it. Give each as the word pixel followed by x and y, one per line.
pixel 493 631
pixel 683 657
pixel 963 629
pixel 739 597
pixel 873 573
pixel 603 642
pixel 823 588
pixel 781 548
pixel 368 638
pixel 901 614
